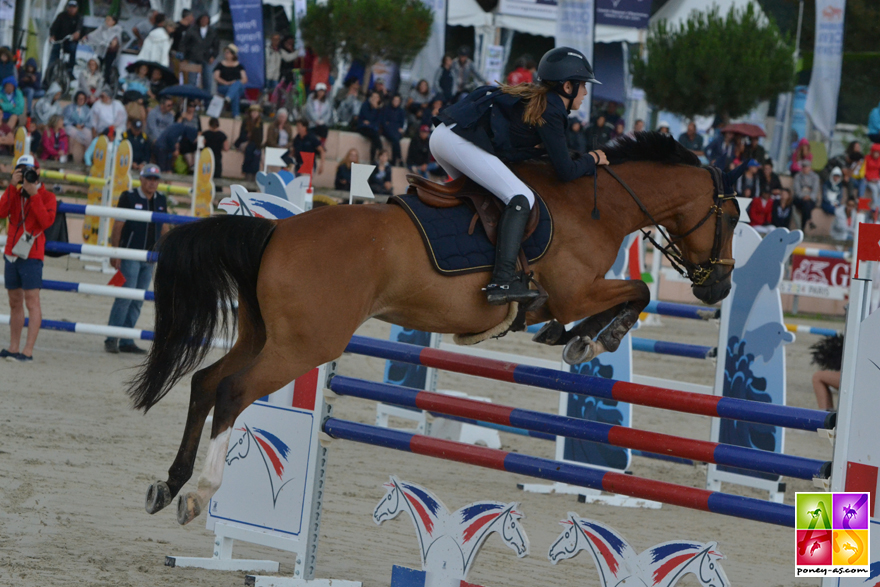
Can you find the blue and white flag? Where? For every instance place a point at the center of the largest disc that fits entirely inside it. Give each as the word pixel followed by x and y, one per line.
pixel 247 24
pixel 827 63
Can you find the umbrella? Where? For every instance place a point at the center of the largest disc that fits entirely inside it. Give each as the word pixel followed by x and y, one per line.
pixel 168 75
pixel 744 128
pixel 188 92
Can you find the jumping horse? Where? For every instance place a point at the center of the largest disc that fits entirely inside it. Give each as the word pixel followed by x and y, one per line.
pixel 305 284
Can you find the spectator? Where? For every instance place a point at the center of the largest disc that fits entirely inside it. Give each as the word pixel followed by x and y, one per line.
pixel 189 116
pixel 379 86
pixel 141 29
pixel 761 213
pixel 598 134
pixel 638 125
pixel 304 141
pixel 217 141
pixel 289 55
pixel 143 236
pixel 782 209
pixel 748 185
pixel 140 146
pixel 807 190
pixel 280 133
pixel 801 153
pixel 36 135
pixel 444 82
pixel 369 123
pixel 380 179
pixel 419 98
pixel 157 45
pixel 611 115
pixel 855 160
pixel 350 105
pixel 343 172
pixel 318 111
pixel 78 120
pixel 524 72
pixel 107 112
pixel 768 181
pixel 844 223
pixel 250 141
pixel 663 128
pixel 54 141
pixel 157 84
pixel 874 125
pixel 160 118
pixel 721 151
pixel 619 130
pixel 91 80
pixel 110 133
pixel 137 84
pixel 48 105
pixel 11 102
pixel 168 143
pixel 833 191
pixel 431 113
pixel 464 73
pixel 30 207
pixel 231 77
pixel 418 156
pixel 575 137
pixel 66 30
pixel 7 64
pixel 183 25
pixel 201 45
pixel 273 62
pixel 393 127
pixel 691 139
pixel 872 174
pixel 754 150
pixel 105 41
pixel 30 80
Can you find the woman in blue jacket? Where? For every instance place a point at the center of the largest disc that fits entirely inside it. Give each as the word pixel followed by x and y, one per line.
pixel 393 125
pixel 494 126
pixel 369 123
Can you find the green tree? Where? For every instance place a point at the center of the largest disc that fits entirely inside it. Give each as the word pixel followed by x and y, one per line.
pixel 368 30
pixel 713 65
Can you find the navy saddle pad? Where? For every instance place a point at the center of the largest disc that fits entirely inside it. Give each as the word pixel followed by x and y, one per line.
pixel 455 252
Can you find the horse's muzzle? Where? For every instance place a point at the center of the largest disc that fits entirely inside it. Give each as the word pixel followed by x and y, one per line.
pixel 717 289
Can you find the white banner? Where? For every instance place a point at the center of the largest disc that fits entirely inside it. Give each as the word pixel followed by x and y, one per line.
pixel 428 60
pixel 575 27
pixel 827 61
pixel 543 9
pixel 493 68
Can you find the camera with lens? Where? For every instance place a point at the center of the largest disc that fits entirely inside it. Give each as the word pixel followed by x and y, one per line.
pixel 30 175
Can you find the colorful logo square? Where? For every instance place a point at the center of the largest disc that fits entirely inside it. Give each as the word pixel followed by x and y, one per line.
pixel 850 547
pixel 813 511
pixel 814 547
pixel 850 511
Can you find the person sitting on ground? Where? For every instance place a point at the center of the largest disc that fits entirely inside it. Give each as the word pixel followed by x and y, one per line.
pixel 66 31
pixel 761 213
pixel 343 172
pixel 350 105
pixel 280 133
pixel 78 120
pixel 418 156
pixel 807 190
pixel 575 137
pixel 536 116
pixel 691 139
pixel 217 141
pixel 231 77
pixel 54 141
pixel 393 127
pixel 107 112
pixel 91 80
pixel 827 353
pixel 844 224
pixel 318 111
pixel 304 141
pixel 782 209
pixel 369 123
pixel 157 45
pixel 106 41
pixel 380 179
pixel 11 102
pixel 250 141
pixel 48 105
pixel 140 146
pixel 30 83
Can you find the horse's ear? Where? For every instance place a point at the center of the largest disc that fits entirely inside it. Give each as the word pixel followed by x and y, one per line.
pixel 729 177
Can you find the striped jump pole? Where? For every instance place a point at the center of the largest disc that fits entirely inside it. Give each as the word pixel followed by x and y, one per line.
pixel 583 476
pixel 804 329
pixel 111 291
pixel 677 349
pixel 125 213
pixel 97 251
pixel 80 178
pixel 634 393
pixel 622 436
pixel 826 253
pixel 81 328
pixel 683 310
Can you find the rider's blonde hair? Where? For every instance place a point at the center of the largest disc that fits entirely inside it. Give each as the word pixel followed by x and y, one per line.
pixel 535 96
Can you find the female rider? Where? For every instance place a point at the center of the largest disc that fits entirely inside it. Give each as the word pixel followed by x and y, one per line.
pixel 493 126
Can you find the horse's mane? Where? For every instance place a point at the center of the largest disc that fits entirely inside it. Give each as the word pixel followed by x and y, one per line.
pixel 649 146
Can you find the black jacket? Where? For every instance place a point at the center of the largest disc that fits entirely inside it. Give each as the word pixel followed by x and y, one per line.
pixel 419 152
pixel 65 24
pixel 493 121
pixel 196 49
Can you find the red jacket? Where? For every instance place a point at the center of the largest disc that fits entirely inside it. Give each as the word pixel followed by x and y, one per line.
pixel 39 213
pixel 761 212
pixel 872 165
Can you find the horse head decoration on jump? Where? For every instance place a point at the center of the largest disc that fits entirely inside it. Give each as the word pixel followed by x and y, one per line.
pixel 449 542
pixel 618 564
pixel 272 450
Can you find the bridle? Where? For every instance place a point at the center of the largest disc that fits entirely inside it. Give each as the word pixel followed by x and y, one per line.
pixel 697 273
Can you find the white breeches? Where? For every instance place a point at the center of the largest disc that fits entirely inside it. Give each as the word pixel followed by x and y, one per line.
pixel 458 157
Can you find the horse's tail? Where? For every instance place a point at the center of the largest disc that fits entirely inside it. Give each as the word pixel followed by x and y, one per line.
pixel 203 268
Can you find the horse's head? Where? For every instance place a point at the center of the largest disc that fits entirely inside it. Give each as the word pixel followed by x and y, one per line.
pixel 569 542
pixel 389 506
pixel 239 448
pixel 711 574
pixel 512 532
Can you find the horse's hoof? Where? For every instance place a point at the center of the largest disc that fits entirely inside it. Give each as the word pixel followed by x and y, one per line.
pixel 188 508
pixel 578 350
pixel 550 333
pixel 158 496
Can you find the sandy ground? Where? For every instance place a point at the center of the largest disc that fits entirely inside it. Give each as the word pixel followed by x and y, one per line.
pixel 75 462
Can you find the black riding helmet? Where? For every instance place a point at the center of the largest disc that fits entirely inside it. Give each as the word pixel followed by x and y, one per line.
pixel 564 64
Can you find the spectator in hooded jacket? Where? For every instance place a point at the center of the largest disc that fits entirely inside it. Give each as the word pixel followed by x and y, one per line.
pixel 30 82
pixel 66 29
pixel 393 127
pixel 48 105
pixel 318 111
pixel 157 45
pixel 78 120
pixel 11 102
pixel 107 112
pixel 106 41
pixel 91 80
pixel 201 45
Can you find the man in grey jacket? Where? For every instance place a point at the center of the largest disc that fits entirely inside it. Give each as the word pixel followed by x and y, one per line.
pixel 201 45
pixel 807 190
pixel 465 76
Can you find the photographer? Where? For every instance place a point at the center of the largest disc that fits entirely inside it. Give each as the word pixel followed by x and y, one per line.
pixel 30 208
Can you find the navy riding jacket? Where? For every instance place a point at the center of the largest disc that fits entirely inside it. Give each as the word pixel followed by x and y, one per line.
pixel 493 121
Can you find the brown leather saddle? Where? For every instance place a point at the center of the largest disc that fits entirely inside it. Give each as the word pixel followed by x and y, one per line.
pixel 464 191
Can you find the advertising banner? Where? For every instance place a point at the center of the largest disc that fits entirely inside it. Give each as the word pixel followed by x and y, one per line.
pixel 820 270
pixel 827 62
pixel 628 13
pixel 574 28
pixel 544 9
pixel 247 24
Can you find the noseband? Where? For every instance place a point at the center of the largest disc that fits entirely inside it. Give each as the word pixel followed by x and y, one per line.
pixel 697 273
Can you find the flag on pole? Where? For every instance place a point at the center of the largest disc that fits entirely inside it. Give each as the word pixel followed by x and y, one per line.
pixel 360 185
pixel 869 244
pixel 824 88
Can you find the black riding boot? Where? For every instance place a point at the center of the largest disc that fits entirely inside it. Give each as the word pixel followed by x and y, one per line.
pixel 507 284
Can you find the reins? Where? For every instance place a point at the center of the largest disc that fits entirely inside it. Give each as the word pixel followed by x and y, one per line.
pixel 697 273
